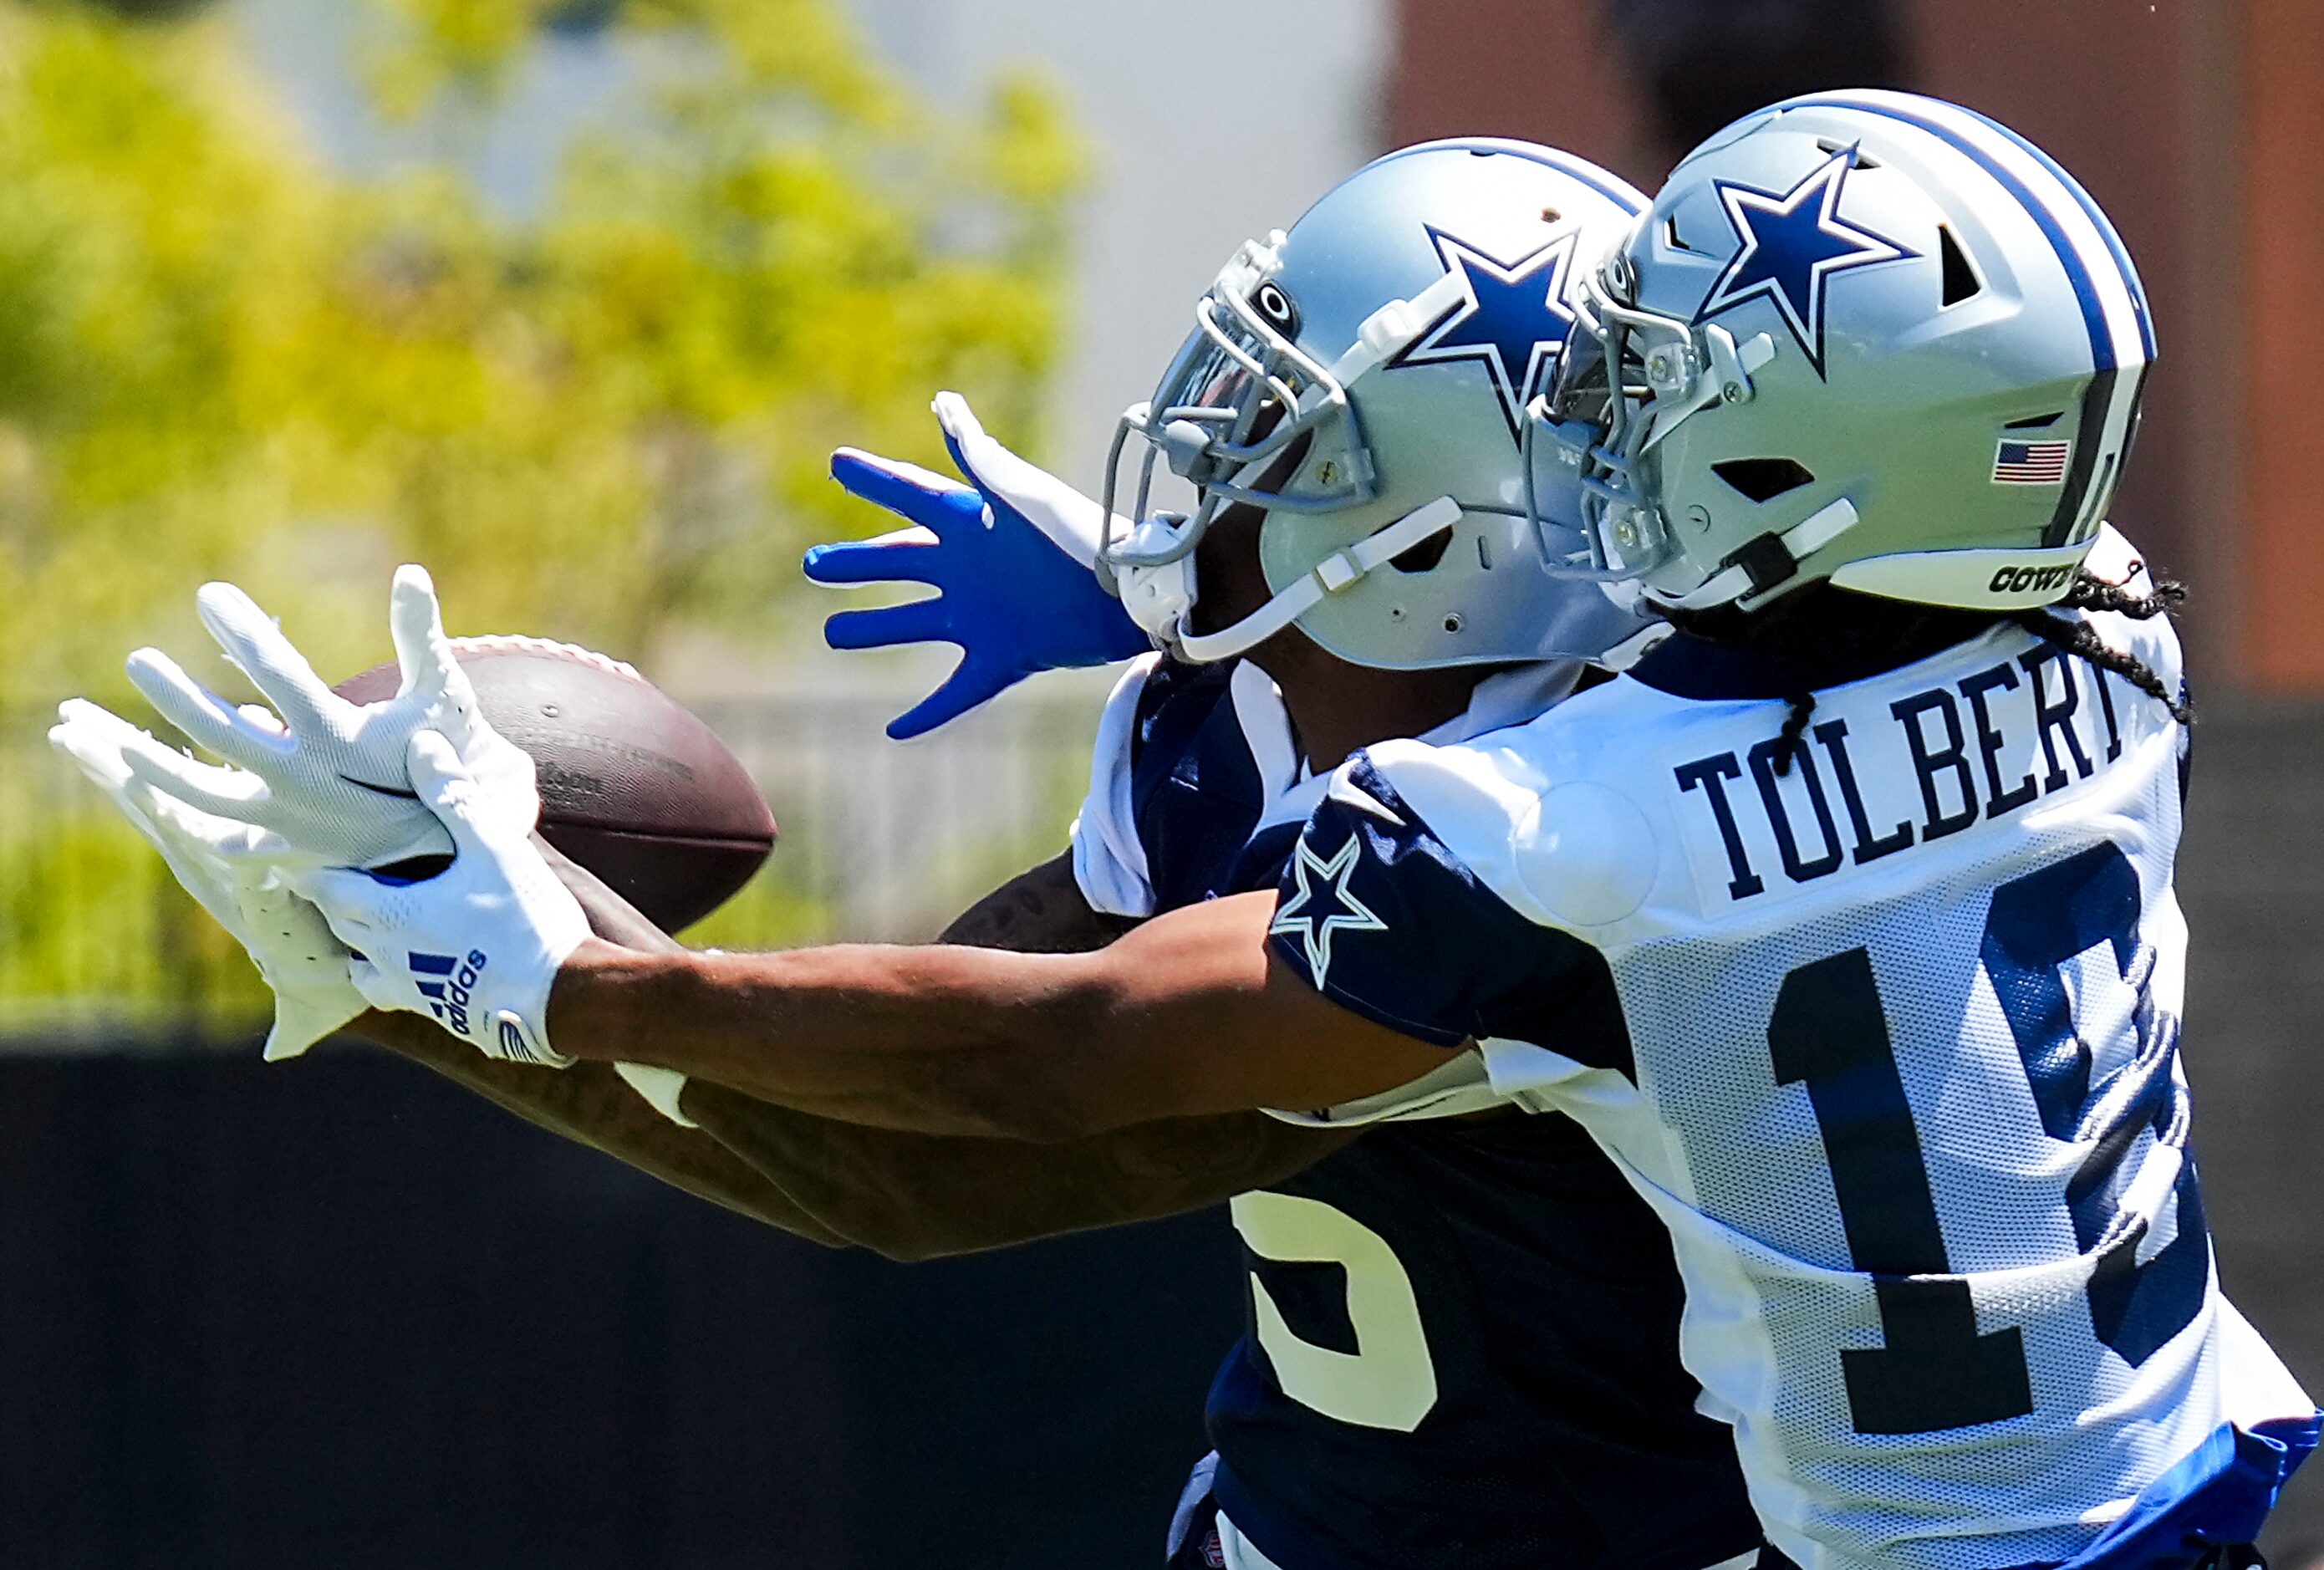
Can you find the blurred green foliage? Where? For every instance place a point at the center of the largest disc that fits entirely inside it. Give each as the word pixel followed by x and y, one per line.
pixel 605 421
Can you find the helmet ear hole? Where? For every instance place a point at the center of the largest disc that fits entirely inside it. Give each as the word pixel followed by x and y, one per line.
pixel 1424 556
pixel 1763 479
pixel 1960 281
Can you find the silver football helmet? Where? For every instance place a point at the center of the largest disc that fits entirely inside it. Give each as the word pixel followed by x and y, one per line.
pixel 1362 381
pixel 1863 337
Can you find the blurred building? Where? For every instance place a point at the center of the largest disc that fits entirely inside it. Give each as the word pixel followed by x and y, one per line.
pixel 2199 125
pixel 1211 122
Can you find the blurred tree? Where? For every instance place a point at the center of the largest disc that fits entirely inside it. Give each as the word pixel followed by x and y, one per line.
pixel 604 421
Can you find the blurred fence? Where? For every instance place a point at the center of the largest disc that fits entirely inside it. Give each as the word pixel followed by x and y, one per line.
pixel 878 841
pixel 212 1366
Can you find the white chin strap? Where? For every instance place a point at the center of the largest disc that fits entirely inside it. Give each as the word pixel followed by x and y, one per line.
pixel 1162 598
pixel 1804 540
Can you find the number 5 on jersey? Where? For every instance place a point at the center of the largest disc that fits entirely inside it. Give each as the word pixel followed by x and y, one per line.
pixel 1388 1382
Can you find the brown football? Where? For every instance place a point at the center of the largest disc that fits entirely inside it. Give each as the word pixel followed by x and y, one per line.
pixel 633 786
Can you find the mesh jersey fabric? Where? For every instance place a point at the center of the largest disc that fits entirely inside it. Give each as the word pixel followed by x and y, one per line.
pixel 1890 1042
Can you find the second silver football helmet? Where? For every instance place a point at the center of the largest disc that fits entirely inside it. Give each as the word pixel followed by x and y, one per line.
pixel 1362 381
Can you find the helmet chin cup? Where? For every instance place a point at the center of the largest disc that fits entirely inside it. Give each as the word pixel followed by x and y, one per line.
pixel 1154 573
pixel 1159 598
pixel 1158 541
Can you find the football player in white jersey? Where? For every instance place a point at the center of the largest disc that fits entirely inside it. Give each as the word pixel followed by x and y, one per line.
pixel 1844 918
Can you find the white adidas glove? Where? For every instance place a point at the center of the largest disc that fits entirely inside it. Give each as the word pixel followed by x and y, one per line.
pixel 476 947
pixel 223 865
pixel 307 968
pixel 296 800
pixel 325 780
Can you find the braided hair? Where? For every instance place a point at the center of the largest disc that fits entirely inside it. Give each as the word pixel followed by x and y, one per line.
pixel 2081 639
pixel 1793 739
pixel 1824 626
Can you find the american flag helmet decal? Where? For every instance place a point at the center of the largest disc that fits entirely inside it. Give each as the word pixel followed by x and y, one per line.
pixel 2030 463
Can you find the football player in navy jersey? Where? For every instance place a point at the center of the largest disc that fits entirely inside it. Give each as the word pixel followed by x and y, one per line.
pixel 1457 1351
pixel 1463 1329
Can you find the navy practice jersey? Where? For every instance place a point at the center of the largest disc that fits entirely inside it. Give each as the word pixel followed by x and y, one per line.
pixel 1889 1040
pixel 1462 1351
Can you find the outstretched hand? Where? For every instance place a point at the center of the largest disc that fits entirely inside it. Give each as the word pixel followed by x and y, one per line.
pixel 476 947
pixel 307 968
pixel 322 777
pixel 1012 556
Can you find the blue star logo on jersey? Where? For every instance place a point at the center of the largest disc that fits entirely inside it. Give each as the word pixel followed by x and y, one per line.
pixel 1515 319
pixel 1793 243
pixel 1323 904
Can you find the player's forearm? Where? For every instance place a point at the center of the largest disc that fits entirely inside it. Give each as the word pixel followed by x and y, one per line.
pixel 590 1103
pixel 916 1197
pixel 913 1196
pixel 919 1195
pixel 946 1039
pixel 923 1040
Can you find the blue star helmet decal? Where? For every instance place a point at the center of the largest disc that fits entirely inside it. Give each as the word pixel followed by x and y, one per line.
pixel 1515 320
pixel 1323 904
pixel 1792 244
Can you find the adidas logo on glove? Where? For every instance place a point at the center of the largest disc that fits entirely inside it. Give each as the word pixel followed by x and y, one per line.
pixel 448 997
pixel 452 991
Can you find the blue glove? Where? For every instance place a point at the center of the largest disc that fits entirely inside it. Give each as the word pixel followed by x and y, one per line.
pixel 1011 556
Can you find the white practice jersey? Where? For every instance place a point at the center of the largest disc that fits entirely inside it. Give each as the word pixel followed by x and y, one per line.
pixel 1888 1038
